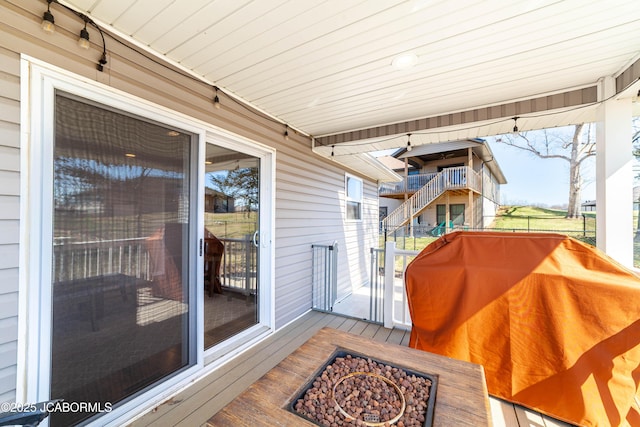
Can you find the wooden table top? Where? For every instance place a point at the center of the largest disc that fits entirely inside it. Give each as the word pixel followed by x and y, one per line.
pixel 461 392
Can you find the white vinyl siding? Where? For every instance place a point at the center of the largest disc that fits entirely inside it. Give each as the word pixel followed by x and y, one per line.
pixel 9 219
pixel 360 237
pixel 310 209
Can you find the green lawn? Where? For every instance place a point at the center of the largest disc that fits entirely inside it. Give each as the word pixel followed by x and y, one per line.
pixel 231 225
pixel 530 218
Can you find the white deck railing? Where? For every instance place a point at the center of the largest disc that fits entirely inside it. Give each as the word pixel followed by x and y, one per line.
pixel 412 183
pixel 130 257
pixel 80 260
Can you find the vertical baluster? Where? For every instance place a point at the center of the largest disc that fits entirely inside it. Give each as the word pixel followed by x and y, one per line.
pixel 110 259
pixel 86 260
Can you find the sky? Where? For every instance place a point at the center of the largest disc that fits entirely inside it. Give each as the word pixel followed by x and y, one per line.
pixel 535 181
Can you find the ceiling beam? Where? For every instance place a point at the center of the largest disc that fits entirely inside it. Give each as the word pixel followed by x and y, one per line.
pixel 570 98
pixel 628 76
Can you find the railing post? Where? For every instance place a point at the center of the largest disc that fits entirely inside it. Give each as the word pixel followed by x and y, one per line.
pixel 333 250
pixel 389 273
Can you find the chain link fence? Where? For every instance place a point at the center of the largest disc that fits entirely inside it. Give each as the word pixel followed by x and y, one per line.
pixel 582 228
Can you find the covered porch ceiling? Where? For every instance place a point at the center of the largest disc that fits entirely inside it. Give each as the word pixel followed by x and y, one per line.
pixel 326 68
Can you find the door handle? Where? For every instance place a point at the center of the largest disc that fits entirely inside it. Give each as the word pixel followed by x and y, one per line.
pixel 255 239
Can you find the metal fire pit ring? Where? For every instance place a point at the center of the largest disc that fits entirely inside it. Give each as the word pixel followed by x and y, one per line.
pixel 380 377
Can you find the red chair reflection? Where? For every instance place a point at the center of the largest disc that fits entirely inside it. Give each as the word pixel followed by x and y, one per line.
pixel 213 252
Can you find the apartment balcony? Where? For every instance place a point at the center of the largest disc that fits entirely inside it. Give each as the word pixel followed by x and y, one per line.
pixel 409 185
pixel 456 178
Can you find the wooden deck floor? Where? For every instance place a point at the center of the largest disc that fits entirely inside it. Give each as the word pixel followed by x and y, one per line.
pixel 195 405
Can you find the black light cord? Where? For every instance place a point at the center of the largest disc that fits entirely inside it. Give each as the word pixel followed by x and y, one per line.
pixel 87 20
pixel 103 60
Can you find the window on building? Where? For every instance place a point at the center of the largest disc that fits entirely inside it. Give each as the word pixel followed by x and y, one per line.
pixel 456 214
pixel 353 191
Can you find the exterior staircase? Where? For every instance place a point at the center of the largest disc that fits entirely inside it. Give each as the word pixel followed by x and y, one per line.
pixel 461 177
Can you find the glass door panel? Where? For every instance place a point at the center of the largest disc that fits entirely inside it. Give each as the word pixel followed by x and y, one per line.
pixel 232 202
pixel 121 259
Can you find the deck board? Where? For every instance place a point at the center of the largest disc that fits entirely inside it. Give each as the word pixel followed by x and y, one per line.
pixel 503 413
pixel 405 339
pixel 395 336
pixel 210 394
pixel 347 324
pixel 528 418
pixel 358 327
pixel 196 404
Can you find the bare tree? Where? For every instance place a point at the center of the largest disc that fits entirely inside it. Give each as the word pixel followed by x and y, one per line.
pixel 241 184
pixel 574 149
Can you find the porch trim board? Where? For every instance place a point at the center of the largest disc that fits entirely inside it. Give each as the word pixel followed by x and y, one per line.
pixel 572 98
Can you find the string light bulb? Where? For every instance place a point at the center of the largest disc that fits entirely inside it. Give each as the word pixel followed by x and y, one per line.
pixel 216 100
pixel 48 22
pixel 515 124
pixel 409 147
pixel 83 40
pixel 332 150
pixel 286 132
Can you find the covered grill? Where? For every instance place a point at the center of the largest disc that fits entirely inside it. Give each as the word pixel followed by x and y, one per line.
pixel 554 322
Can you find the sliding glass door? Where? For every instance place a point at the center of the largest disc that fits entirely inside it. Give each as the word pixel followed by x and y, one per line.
pixel 148 246
pixel 231 265
pixel 122 298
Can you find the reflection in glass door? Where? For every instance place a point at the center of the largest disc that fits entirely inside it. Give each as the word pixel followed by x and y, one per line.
pixel 231 217
pixel 120 293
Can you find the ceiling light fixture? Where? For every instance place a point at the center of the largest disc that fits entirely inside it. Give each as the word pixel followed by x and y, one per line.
pixel 404 61
pixel 129 155
pixel 409 147
pixel 216 100
pixel 83 41
pixel 48 23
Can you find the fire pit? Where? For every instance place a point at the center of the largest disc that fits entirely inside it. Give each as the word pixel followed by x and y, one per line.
pixel 353 389
pixel 457 389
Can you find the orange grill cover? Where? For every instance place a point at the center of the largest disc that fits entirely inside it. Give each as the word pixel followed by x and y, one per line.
pixel 554 322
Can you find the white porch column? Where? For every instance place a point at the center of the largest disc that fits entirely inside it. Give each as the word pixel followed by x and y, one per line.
pixel 614 186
